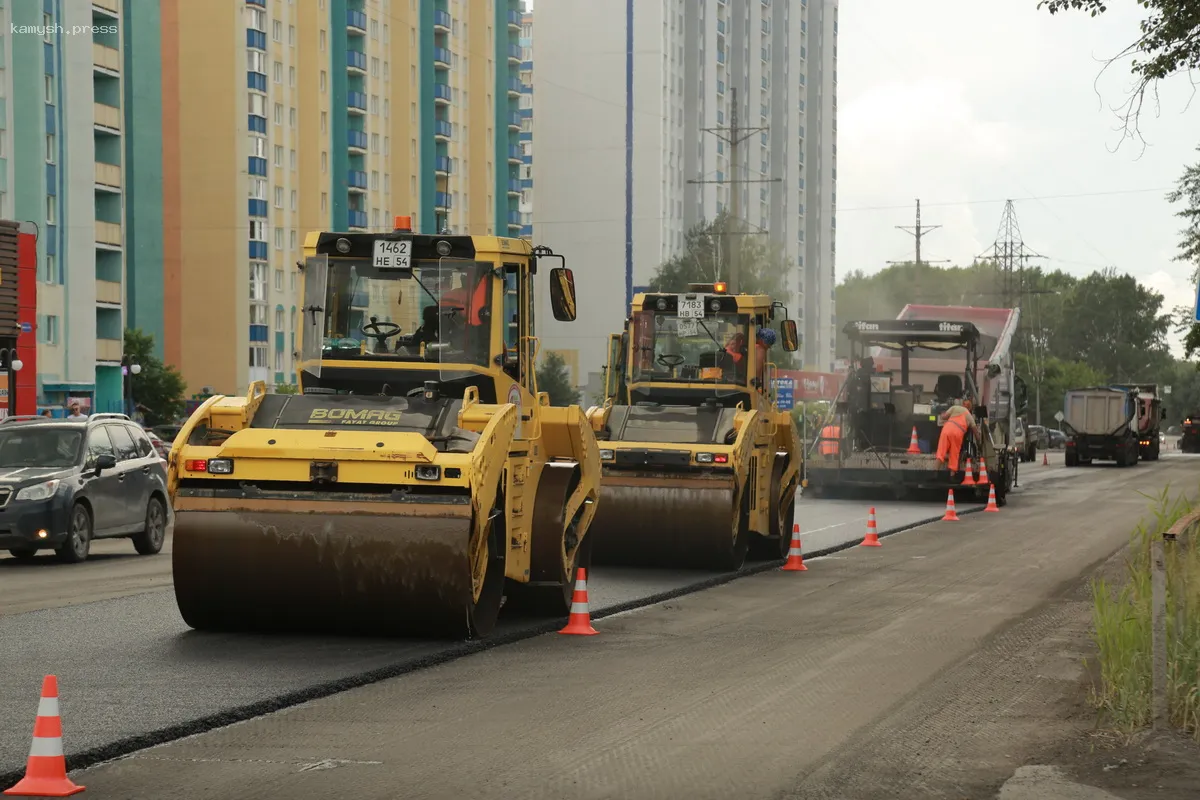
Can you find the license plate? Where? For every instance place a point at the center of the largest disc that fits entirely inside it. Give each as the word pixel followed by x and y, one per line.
pixel 393 254
pixel 691 308
pixel 687 327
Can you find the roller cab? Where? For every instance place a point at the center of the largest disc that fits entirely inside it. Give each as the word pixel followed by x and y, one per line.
pixel 418 478
pixel 698 464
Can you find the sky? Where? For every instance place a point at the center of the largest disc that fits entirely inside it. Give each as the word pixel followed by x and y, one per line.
pixel 967 103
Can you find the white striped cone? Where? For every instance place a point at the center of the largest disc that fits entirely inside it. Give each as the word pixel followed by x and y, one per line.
pixel 795 559
pixel 984 480
pixel 580 621
pixel 46 770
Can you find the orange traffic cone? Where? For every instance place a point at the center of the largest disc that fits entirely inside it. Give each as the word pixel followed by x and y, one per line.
pixel 913 447
pixel 580 621
pixel 991 506
pixel 795 561
pixel 46 770
pixel 872 538
pixel 950 515
pixel 984 480
pixel 1045 459
pixel 969 475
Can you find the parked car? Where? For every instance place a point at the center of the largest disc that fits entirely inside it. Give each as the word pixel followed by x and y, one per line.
pixel 1023 442
pixel 1040 435
pixel 1058 439
pixel 163 448
pixel 65 482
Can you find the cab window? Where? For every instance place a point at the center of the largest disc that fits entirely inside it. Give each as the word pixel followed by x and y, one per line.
pixel 98 444
pixel 126 449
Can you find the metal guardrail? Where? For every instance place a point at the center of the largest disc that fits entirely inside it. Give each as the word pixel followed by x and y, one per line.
pixel 1176 537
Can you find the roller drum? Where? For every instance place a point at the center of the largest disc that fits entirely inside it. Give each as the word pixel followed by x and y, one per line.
pixel 642 524
pixel 354 573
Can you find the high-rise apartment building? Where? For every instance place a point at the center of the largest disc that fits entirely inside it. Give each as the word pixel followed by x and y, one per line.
pixel 623 93
pixel 526 135
pixel 81 157
pixel 302 115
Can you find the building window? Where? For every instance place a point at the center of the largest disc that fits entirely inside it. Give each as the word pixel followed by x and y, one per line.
pixel 324 202
pixel 323 78
pixel 278 68
pixel 257 104
pixel 292 243
pixel 258 292
pixel 279 155
pixel 47 28
pixel 47 329
pixel 50 89
pixel 387 185
pixel 256 61
pixel 293 199
pixel 279 197
pixel 278 112
pixel 324 121
pixel 258 357
pixel 50 148
pixel 291 117
pixel 321 40
pixel 276 30
pixel 374 67
pixel 292 159
pixel 258 230
pixel 279 288
pixel 324 161
pixel 258 189
pixel 291 35
pixel 279 238
pixel 51 209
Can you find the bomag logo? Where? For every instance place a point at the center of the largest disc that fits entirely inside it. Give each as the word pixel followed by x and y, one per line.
pixel 354 416
pixel 950 327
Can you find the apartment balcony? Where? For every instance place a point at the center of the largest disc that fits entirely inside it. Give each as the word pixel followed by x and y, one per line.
pixel 442 94
pixel 356 180
pixel 108 233
pixel 108 176
pixel 514 121
pixel 441 21
pixel 356 141
pixel 259 3
pixel 514 20
pixel 356 62
pixel 108 58
pixel 514 87
pixel 514 188
pixel 109 349
pixel 442 165
pixel 442 130
pixel 108 292
pixel 107 118
pixel 514 219
pixel 441 200
pixel 358 219
pixel 356 103
pixel 514 154
pixel 111 6
pixel 514 54
pixel 356 21
pixel 441 56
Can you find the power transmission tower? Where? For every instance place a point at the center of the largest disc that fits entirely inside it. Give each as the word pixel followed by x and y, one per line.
pixel 734 136
pixel 918 232
pixel 1010 254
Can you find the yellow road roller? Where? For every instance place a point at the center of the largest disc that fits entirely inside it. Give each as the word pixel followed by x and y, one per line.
pixel 418 479
pixel 699 466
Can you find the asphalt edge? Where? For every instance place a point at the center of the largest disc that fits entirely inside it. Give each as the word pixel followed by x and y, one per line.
pixel 143 741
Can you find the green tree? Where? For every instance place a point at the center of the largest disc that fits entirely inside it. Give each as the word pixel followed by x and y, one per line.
pixel 1187 191
pixel 705 258
pixel 158 388
pixel 1169 44
pixel 554 378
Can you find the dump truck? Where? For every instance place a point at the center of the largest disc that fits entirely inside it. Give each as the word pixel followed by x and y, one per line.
pixel 883 429
pixel 1102 424
pixel 699 466
pixel 418 479
pixel 1189 433
pixel 1150 414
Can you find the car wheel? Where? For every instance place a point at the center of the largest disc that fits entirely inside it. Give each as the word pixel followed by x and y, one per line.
pixel 79 539
pixel 150 540
pixel 23 552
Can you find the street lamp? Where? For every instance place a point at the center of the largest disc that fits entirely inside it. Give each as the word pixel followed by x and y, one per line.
pixel 129 368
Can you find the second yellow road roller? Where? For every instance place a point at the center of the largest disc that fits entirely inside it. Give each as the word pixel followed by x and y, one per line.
pixel 699 466
pixel 417 479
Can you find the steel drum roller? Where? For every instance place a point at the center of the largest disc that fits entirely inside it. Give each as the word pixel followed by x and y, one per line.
pixel 342 573
pixel 639 523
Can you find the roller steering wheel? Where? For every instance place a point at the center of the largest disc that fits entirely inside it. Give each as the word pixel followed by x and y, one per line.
pixel 670 360
pixel 373 329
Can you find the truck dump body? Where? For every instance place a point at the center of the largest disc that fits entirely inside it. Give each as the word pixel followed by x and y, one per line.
pixel 1101 424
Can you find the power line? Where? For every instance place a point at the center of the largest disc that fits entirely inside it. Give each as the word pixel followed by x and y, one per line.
pixel 1038 198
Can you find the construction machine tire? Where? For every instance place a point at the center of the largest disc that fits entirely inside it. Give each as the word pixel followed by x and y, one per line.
pixel 378 575
pixel 776 545
pixel 551 577
pixel 671 523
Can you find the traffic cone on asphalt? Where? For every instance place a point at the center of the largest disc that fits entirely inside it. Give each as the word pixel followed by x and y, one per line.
pixel 984 480
pixel 872 538
pixel 795 561
pixel 580 621
pixel 951 515
pixel 969 475
pixel 46 770
pixel 913 447
pixel 991 506
pixel 1045 459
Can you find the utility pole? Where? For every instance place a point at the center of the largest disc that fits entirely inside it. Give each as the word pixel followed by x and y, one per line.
pixel 918 232
pixel 734 135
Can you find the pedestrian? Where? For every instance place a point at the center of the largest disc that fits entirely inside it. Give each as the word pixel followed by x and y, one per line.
pixel 75 412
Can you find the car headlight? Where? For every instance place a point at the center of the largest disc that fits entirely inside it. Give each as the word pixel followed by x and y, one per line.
pixel 40 491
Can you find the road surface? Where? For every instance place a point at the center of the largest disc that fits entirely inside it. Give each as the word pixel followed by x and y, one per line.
pixel 132 674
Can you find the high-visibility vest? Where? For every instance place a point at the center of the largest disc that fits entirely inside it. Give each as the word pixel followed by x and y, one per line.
pixel 830 439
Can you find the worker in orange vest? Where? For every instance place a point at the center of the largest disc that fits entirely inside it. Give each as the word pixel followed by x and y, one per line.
pixel 959 421
pixel 831 436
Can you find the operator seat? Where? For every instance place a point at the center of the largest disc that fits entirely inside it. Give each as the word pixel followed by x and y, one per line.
pixel 948 387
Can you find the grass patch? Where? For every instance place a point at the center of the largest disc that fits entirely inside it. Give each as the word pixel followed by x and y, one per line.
pixel 1121 622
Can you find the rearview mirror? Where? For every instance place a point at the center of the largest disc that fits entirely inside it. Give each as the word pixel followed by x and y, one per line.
pixel 791 339
pixel 562 294
pixel 105 461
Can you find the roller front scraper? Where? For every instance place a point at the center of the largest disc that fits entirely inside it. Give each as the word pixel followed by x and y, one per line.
pixel 417 479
